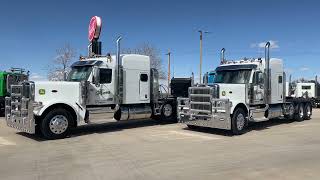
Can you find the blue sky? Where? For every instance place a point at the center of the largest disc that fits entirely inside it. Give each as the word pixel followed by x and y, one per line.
pixel 31 31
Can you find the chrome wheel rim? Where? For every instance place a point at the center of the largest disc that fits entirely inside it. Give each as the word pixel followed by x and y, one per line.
pixel 291 110
pixel 308 111
pixel 167 110
pixel 58 124
pixel 240 121
pixel 301 111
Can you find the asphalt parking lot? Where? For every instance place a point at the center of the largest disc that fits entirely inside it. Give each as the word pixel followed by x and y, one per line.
pixel 278 149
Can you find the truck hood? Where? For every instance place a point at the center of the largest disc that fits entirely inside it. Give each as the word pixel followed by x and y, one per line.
pixel 236 93
pixel 232 91
pixel 50 92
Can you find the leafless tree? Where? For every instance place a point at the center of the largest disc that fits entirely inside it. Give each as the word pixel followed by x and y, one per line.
pixel 151 51
pixel 61 63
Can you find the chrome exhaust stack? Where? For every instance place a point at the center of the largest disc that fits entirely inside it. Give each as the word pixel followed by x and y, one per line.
pixel 222 59
pixel 267 73
pixel 119 75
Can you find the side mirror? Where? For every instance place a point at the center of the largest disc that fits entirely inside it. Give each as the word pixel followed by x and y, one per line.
pixel 259 79
pixel 96 76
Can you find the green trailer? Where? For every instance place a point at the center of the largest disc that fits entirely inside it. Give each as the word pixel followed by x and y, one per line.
pixel 7 78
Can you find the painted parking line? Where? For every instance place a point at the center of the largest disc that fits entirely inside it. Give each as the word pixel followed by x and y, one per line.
pixel 4 142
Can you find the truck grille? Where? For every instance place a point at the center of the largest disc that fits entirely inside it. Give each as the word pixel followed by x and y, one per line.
pixel 200 99
pixel 19 107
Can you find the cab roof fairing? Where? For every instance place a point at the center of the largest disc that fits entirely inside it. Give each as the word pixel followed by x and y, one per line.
pixel 86 63
pixel 235 67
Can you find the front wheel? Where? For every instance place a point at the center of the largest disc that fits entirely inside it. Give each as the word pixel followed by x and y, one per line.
pixel 239 122
pixel 56 124
pixel 168 112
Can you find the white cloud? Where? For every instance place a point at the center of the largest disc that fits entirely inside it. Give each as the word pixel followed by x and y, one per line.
pixel 37 77
pixel 288 70
pixel 273 45
pixel 304 69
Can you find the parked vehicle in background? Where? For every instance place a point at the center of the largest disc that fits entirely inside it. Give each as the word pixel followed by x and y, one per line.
pixel 8 78
pixel 211 76
pixel 305 90
pixel 244 91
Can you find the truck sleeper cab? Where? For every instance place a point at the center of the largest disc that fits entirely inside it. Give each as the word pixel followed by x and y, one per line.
pixel 243 91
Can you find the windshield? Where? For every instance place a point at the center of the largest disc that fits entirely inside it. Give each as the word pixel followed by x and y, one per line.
pixel 211 78
pixel 79 73
pixel 233 76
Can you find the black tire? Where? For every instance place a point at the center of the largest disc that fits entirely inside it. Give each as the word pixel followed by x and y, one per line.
pixel 307 111
pixel 2 106
pixel 168 112
pixel 290 116
pixel 62 130
pixel 239 122
pixel 299 113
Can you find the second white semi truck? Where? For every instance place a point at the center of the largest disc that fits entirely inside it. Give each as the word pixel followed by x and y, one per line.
pixel 243 91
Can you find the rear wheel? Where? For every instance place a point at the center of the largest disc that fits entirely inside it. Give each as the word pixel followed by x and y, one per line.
pixel 290 114
pixel 299 115
pixel 307 111
pixel 56 124
pixel 239 122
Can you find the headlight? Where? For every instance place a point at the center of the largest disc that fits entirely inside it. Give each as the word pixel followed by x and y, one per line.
pixel 37 105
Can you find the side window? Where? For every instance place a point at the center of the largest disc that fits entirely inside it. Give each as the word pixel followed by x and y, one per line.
pixel 258 78
pixel 279 79
pixel 105 76
pixel 144 77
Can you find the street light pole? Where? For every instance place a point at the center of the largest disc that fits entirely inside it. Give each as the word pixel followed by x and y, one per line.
pixel 201 35
pixel 200 71
pixel 169 54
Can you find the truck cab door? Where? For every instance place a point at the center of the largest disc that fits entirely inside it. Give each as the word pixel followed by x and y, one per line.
pixel 280 87
pixel 101 90
pixel 144 89
pixel 258 88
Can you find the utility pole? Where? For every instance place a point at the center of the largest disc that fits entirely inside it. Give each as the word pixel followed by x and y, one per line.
pixel 200 71
pixel 169 55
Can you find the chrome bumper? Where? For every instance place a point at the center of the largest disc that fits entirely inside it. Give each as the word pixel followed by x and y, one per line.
pixel 217 116
pixel 19 107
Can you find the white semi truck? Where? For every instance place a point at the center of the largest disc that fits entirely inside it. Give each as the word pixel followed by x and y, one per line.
pixel 99 88
pixel 304 89
pixel 301 89
pixel 243 91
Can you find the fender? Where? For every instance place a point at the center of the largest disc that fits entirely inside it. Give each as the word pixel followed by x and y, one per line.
pixel 243 106
pixel 78 109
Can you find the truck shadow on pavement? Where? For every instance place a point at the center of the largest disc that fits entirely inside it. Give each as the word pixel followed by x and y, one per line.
pixel 119 126
pixel 114 126
pixel 36 137
pixel 101 128
pixel 258 126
